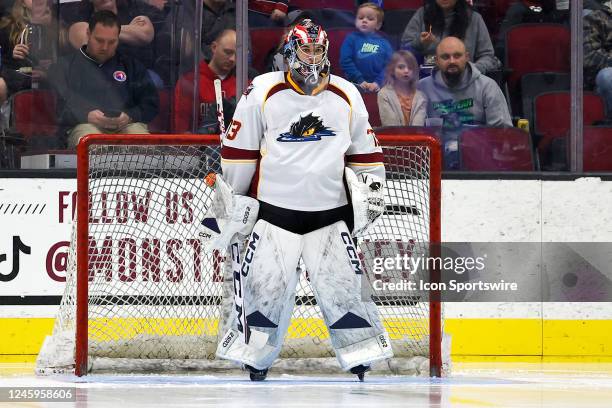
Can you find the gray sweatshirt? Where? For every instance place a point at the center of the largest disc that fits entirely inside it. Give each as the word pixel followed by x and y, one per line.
pixel 476 100
pixel 477 40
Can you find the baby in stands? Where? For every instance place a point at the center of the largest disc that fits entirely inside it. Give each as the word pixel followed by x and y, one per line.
pixel 365 53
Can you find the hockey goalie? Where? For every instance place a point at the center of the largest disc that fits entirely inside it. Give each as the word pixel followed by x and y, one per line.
pixel 301 150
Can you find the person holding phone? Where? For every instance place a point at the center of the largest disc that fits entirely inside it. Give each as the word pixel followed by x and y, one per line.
pixel 102 90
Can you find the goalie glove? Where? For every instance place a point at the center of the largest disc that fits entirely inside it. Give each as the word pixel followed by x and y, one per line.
pixel 229 215
pixel 367 197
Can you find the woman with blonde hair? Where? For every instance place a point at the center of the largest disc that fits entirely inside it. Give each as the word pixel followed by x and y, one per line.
pixel 16 42
pixel 399 102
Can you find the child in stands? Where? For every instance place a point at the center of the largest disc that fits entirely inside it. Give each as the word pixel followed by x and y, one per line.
pixel 365 53
pixel 399 102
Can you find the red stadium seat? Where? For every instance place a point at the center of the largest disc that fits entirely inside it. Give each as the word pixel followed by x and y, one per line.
pixel 33 115
pixel 536 83
pixel 264 40
pixel 536 48
pixel 161 123
pixel 552 114
pixel 597 148
pixel 336 37
pixel 496 149
pixel 371 103
pixel 316 4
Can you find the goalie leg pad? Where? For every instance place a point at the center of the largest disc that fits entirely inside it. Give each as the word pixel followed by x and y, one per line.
pixel 269 281
pixel 335 272
pixel 365 352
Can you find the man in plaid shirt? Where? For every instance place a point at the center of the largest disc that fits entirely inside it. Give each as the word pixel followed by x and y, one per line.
pixel 598 52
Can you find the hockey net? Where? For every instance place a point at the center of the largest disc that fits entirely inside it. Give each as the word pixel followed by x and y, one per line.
pixel 143 294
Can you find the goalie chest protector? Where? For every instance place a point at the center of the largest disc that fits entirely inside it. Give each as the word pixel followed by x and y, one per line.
pixel 289 149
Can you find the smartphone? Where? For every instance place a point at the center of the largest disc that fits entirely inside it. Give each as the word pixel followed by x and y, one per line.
pixel 112 113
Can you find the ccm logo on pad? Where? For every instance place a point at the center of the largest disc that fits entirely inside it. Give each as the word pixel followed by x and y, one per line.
pixel 351 252
pixel 247 211
pixel 383 341
pixel 228 338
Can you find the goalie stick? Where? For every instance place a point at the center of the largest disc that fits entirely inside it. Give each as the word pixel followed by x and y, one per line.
pixel 236 248
pixel 219 100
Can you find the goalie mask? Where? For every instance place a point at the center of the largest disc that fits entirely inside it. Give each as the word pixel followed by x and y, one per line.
pixel 305 50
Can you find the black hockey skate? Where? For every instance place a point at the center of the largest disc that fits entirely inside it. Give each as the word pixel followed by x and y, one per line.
pixel 255 374
pixel 360 371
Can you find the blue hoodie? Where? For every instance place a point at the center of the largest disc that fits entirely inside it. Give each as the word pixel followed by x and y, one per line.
pixel 363 57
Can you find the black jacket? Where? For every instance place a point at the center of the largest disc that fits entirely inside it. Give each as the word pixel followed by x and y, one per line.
pixel 121 83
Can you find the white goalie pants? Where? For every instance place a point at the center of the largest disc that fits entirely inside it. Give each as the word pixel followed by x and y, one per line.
pixel 334 270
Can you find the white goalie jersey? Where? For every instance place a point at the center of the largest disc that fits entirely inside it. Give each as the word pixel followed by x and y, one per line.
pixel 289 149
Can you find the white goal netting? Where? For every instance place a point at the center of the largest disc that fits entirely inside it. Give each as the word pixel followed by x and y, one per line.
pixel 156 298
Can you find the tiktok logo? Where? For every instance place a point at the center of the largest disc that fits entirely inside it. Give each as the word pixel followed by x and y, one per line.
pixel 18 248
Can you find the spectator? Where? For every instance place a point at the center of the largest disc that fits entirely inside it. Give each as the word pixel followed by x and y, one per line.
pixel 102 90
pixel 439 19
pixel 161 5
pixel 365 53
pixel 19 64
pixel 598 53
pixel 461 95
pixel 528 11
pixel 399 102
pixel 137 31
pixel 263 13
pixel 221 66
pixel 218 15
pixel 589 6
pixel 174 48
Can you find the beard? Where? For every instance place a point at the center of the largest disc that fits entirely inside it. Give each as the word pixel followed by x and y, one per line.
pixel 452 78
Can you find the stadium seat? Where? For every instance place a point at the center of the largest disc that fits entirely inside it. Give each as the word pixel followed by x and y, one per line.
pixel 535 48
pixel 336 37
pixel 597 148
pixel 264 40
pixel 552 117
pixel 396 21
pixel 371 103
pixel 161 123
pixel 315 4
pixel 536 83
pixel 552 112
pixel 33 116
pixel 496 149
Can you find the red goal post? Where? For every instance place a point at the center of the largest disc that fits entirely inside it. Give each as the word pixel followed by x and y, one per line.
pixel 420 151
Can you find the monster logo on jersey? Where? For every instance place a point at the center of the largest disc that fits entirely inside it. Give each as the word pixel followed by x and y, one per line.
pixel 308 128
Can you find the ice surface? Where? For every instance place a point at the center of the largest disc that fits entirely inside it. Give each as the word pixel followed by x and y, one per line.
pixel 471 385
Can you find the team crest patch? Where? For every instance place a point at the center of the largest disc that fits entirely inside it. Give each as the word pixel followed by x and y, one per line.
pixel 119 76
pixel 308 128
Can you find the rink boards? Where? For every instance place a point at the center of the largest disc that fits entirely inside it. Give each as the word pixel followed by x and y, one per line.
pixel 39 211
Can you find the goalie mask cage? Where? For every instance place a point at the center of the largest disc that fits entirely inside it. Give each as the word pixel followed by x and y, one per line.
pixel 143 291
